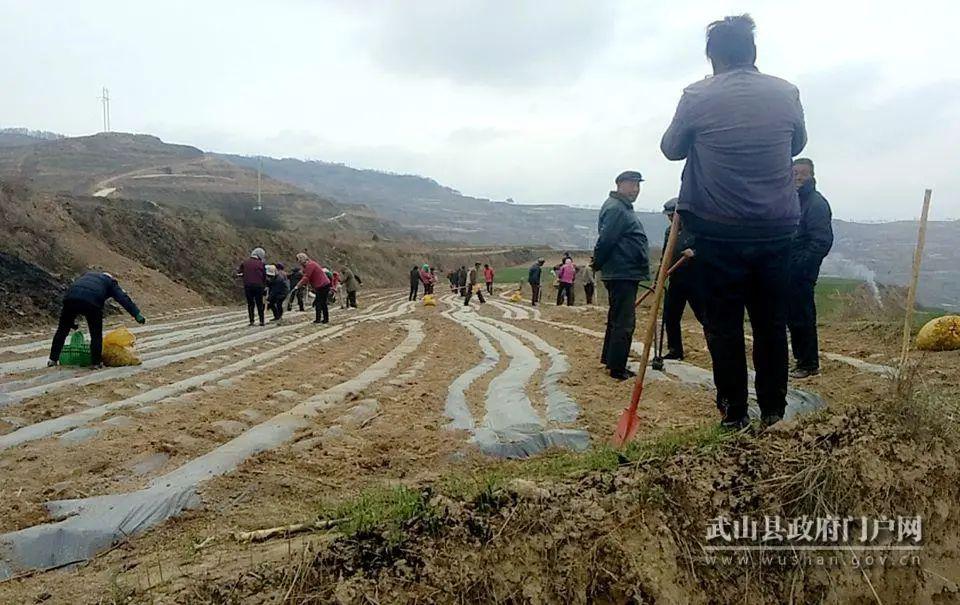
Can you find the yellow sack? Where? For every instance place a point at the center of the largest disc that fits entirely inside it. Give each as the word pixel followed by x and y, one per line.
pixel 516 297
pixel 429 300
pixel 940 334
pixel 118 348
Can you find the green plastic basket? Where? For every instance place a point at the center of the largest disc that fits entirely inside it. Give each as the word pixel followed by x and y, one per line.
pixel 77 353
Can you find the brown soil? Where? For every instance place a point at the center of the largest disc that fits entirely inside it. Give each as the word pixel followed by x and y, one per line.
pixel 619 535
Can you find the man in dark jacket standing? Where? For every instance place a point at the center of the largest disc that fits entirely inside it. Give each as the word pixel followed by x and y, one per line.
pixel 621 257
pixel 86 297
pixel 533 278
pixel 682 287
pixel 738 132
pixel 414 283
pixel 812 243
pixel 296 273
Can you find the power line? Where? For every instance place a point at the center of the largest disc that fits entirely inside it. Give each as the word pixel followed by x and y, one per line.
pixel 105 102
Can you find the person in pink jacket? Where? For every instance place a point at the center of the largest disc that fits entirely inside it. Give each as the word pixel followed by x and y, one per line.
pixel 314 275
pixel 426 279
pixel 488 278
pixel 566 274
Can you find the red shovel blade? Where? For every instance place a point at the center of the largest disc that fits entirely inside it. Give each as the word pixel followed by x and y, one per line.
pixel 626 428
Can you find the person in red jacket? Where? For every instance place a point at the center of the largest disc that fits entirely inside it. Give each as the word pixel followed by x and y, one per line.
pixel 254 274
pixel 426 279
pixel 314 275
pixel 488 278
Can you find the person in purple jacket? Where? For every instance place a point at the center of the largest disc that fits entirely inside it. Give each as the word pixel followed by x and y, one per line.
pixel 254 275
pixel 738 131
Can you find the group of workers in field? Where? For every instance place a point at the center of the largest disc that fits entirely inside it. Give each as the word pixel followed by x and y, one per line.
pixel 754 231
pixel 425 276
pixel 753 228
pixel 566 273
pixel 265 287
pixel 271 282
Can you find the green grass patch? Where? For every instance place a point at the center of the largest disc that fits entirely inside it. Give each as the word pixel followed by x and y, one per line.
pixel 378 509
pixel 832 292
pixel 512 275
pixel 389 510
pixel 476 486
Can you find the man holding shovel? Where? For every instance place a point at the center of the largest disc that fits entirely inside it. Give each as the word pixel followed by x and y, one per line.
pixel 738 131
pixel 682 287
pixel 621 257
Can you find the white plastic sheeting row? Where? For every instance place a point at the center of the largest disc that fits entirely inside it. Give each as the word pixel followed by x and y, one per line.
pixel 89 525
pixel 511 427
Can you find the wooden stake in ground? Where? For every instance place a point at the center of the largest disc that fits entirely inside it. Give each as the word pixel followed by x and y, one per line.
pixel 627 425
pixel 912 292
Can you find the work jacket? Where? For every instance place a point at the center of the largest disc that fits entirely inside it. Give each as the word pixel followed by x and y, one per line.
pixel 738 132
pixel 94 288
pixel 621 248
pixel 314 275
pixel 351 281
pixel 814 236
pixel 533 275
pixel 254 272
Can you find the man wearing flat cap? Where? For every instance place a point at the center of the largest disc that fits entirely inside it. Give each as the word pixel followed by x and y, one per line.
pixel 621 257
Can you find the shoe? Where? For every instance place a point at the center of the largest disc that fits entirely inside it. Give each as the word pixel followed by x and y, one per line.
pixel 262 324
pixel 801 373
pixel 674 355
pixel 52 363
pixel 772 419
pixel 735 424
pixel 626 374
pixel 251 325
pixel 317 321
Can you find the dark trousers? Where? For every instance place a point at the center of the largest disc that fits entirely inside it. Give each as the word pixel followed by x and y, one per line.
pixel 535 296
pixel 68 315
pixel 352 299
pixel 428 288
pixel 466 300
pixel 565 291
pixel 298 293
pixel 746 275
pixel 321 302
pixel 490 288
pixel 414 287
pixel 588 291
pixel 276 306
pixel 621 321
pixel 254 296
pixel 679 293
pixel 802 322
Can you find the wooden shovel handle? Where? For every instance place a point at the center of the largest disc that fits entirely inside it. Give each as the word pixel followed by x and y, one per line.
pixel 670 271
pixel 652 321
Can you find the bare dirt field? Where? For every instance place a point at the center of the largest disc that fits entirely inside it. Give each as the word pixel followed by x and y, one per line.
pixel 480 433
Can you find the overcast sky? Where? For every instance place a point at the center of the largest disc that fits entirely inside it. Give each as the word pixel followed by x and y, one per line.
pixel 538 101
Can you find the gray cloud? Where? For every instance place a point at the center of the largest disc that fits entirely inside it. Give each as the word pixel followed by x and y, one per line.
pixel 494 43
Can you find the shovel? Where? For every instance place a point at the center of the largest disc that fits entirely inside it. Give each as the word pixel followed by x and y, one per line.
pixel 670 271
pixel 627 425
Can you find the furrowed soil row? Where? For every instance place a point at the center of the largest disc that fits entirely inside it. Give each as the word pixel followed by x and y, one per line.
pixel 172 489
